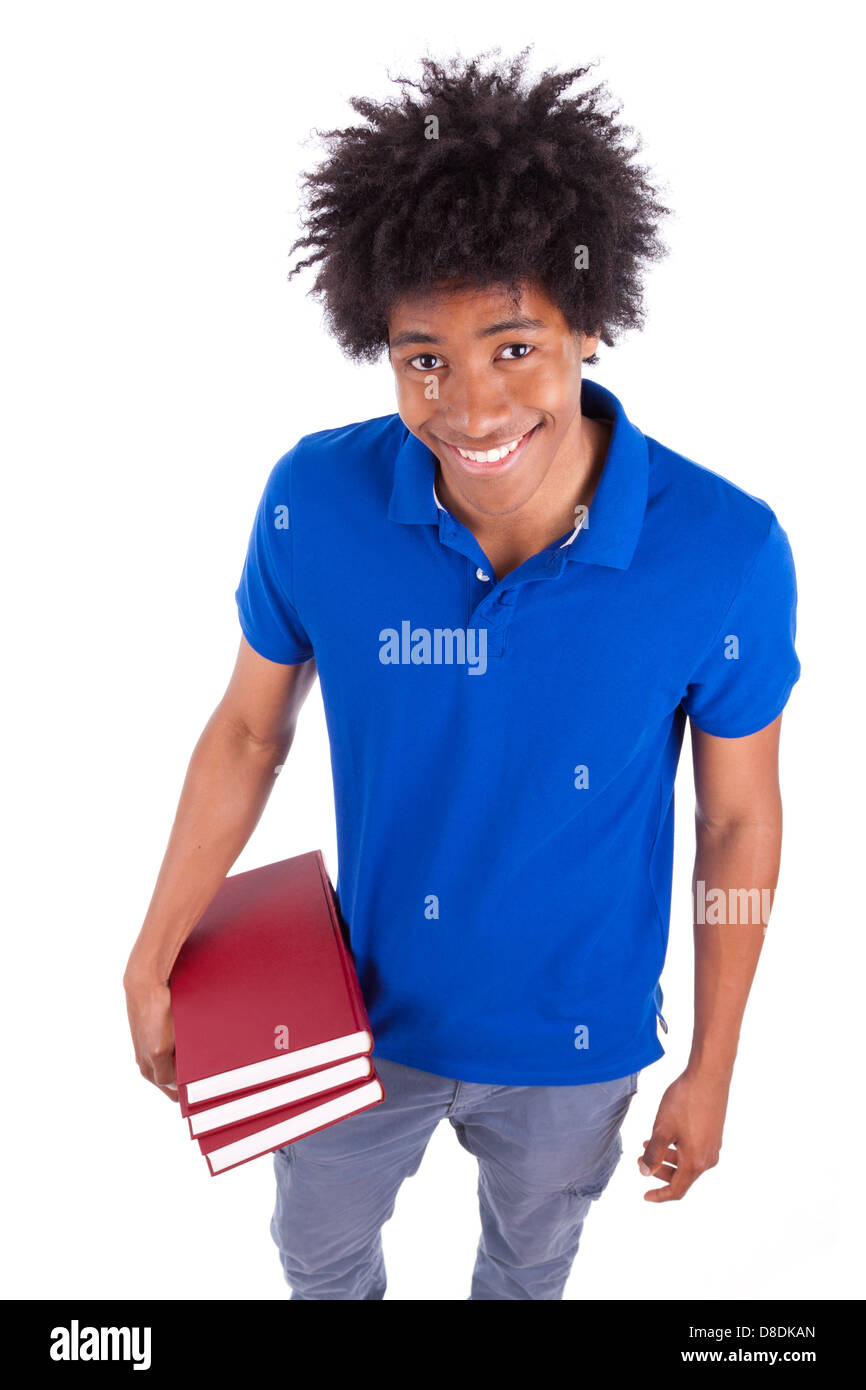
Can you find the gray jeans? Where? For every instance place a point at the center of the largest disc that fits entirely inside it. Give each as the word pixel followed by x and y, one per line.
pixel 544 1154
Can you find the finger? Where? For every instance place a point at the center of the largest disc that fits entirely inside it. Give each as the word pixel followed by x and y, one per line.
pixel 656 1151
pixel 163 1069
pixel 678 1186
pixel 665 1171
pixel 144 1066
pixel 168 1088
pixel 161 1075
pixel 671 1153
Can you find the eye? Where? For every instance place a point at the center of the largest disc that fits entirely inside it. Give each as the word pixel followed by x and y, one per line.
pixel 430 360
pixel 523 348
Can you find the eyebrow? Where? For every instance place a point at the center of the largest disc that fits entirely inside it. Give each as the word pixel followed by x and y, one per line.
pixel 413 335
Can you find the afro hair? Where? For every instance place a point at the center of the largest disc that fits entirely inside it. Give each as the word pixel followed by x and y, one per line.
pixel 478 177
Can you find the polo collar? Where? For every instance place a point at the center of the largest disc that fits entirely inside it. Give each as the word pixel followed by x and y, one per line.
pixel 610 534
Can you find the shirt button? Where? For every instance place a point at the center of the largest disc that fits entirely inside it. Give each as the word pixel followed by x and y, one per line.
pixel 479 574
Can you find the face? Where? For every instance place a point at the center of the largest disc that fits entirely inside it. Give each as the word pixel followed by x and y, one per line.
pixel 493 388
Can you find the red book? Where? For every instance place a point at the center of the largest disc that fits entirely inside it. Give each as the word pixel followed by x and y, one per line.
pixel 311 1087
pixel 258 1099
pixel 264 987
pixel 230 1147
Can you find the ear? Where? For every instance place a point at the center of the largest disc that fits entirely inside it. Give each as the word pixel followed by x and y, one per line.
pixel 588 344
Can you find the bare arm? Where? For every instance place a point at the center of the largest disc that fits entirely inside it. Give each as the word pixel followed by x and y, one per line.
pixel 738 826
pixel 230 776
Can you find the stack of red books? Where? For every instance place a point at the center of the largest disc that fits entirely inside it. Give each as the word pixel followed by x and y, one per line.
pixel 272 1040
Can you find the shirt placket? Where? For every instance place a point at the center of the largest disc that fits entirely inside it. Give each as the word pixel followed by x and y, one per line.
pixel 490 604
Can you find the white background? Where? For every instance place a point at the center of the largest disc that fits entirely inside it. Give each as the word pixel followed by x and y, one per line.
pixel 155 365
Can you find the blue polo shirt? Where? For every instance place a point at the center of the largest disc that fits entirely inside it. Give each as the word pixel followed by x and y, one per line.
pixel 504 750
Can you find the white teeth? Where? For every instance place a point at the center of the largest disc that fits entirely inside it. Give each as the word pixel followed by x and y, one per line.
pixel 490 455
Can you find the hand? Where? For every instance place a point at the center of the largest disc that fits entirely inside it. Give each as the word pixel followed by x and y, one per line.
pixel 687 1134
pixel 148 1005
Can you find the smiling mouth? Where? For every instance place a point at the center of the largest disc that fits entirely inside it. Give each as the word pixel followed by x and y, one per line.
pixel 486 458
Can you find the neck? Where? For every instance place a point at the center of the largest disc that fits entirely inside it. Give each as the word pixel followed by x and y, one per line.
pixel 512 537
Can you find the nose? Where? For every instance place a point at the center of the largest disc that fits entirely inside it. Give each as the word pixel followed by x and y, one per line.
pixel 475 409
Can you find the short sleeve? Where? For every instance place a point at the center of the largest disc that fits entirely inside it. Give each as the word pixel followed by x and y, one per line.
pixel 747 673
pixel 265 595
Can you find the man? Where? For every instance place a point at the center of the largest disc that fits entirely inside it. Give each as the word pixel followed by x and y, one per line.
pixel 514 600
